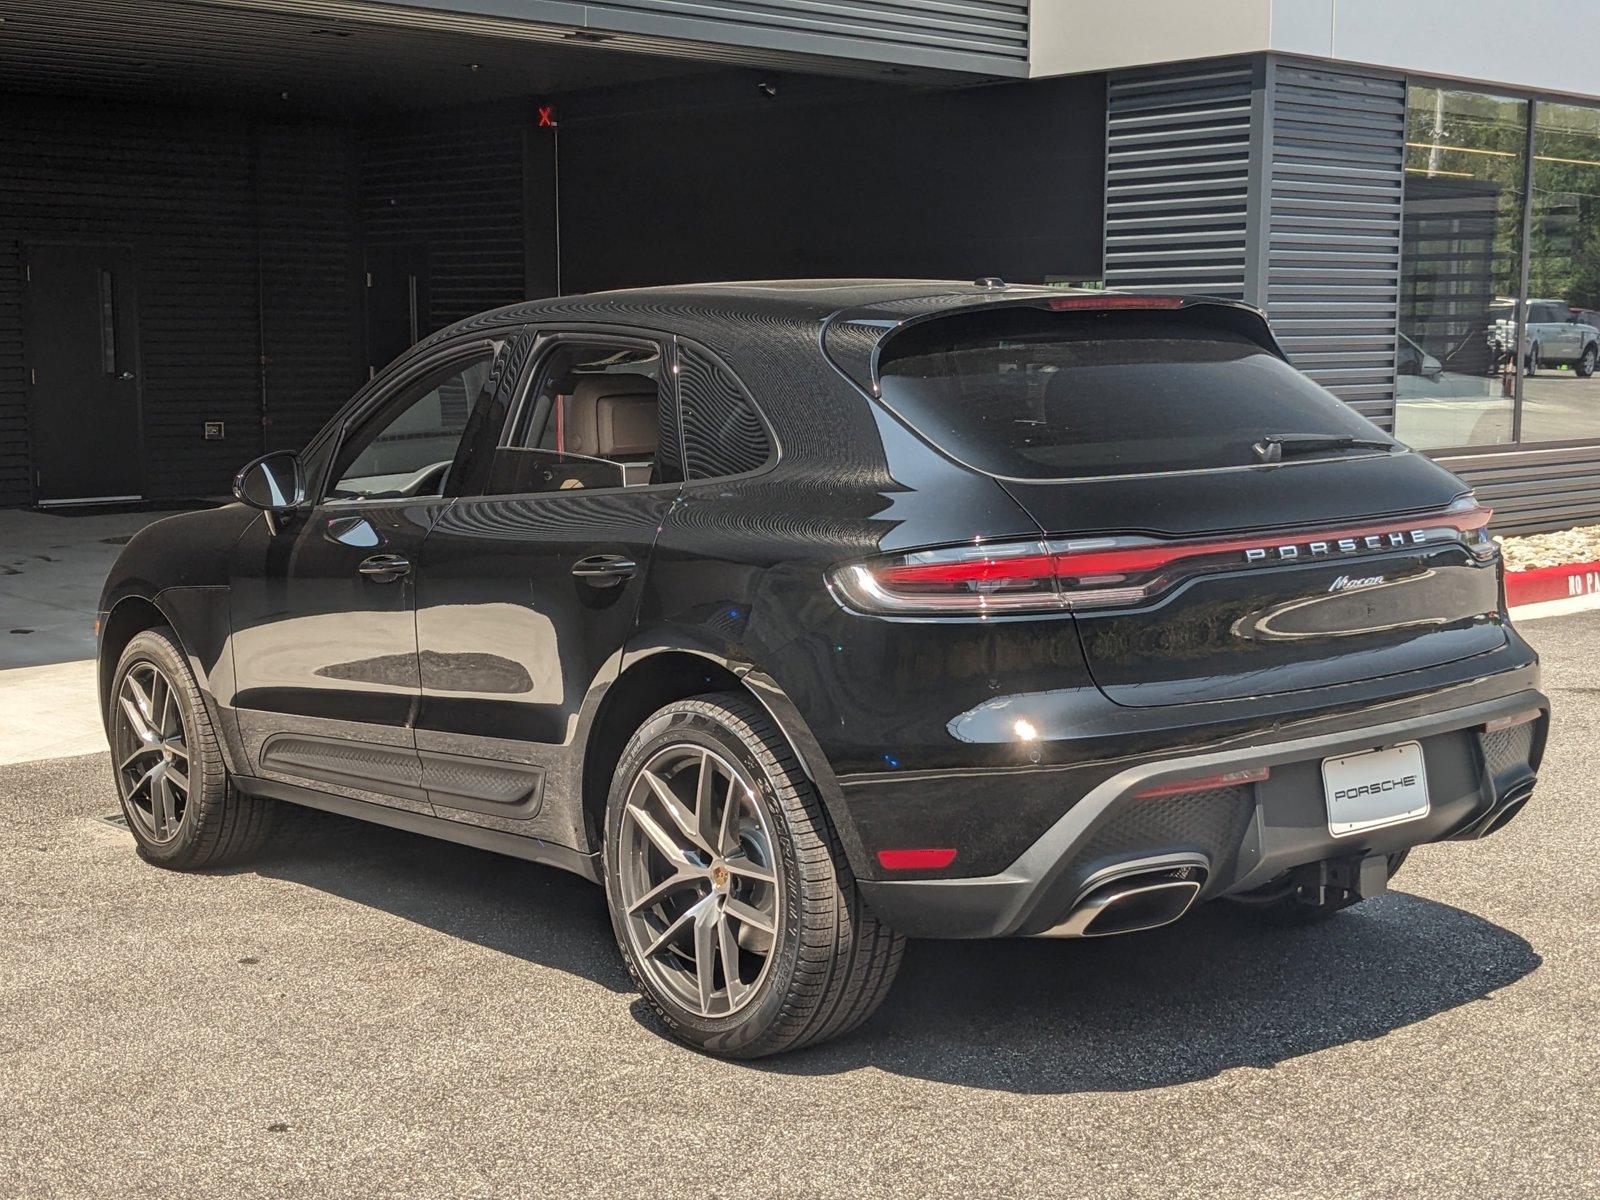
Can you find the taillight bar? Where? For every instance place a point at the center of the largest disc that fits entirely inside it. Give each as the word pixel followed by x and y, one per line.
pixel 1085 573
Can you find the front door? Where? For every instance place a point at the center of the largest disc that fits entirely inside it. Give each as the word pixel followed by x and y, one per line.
pixel 530 585
pixel 324 629
pixel 81 336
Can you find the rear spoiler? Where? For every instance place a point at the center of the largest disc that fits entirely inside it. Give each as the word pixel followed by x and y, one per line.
pixel 854 339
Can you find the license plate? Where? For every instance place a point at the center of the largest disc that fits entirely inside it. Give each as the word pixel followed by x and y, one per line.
pixel 1375 788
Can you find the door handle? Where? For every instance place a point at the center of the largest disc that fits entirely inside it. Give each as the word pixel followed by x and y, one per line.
pixel 604 570
pixel 385 568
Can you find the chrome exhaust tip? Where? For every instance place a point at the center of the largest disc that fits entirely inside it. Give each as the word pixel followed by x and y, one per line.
pixel 1135 896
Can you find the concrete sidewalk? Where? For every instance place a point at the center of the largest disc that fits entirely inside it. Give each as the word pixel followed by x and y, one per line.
pixel 51 569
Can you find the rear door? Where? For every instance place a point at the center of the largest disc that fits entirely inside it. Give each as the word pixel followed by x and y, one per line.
pixel 1200 562
pixel 530 582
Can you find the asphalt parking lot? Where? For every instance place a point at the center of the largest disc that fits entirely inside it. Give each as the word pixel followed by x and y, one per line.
pixel 366 1013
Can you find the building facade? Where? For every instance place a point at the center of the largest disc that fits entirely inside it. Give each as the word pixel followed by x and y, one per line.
pixel 217 217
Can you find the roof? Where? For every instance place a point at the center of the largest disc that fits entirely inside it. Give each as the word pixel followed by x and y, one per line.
pixel 796 299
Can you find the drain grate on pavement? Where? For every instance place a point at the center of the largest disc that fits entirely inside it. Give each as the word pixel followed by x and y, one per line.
pixel 116 820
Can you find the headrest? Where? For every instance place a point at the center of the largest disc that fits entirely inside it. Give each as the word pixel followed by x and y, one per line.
pixel 613 416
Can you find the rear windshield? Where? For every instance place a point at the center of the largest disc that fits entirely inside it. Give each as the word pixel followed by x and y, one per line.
pixel 1036 395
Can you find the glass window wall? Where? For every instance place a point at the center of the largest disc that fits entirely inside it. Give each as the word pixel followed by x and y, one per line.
pixel 1464 376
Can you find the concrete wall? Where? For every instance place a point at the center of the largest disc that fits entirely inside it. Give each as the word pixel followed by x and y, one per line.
pixel 1546 45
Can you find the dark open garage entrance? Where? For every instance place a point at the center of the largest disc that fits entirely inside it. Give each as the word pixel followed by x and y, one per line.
pixel 216 218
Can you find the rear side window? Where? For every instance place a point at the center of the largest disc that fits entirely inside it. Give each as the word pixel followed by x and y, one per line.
pixel 722 432
pixel 1029 394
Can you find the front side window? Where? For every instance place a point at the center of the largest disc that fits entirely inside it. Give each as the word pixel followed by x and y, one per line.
pixel 593 417
pixel 406 447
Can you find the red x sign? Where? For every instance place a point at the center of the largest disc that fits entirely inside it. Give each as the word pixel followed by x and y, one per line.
pixel 547 116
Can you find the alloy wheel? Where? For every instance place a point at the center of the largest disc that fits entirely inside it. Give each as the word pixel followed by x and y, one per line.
pixel 151 744
pixel 697 879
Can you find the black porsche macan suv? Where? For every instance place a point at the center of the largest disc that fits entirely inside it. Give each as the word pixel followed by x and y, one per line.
pixel 809 616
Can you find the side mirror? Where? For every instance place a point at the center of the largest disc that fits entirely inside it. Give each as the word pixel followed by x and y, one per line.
pixel 274 483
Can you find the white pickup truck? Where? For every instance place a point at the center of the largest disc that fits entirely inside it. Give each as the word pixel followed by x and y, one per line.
pixel 1552 336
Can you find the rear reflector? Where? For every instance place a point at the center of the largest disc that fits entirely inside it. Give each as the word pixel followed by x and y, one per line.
pixel 1512 721
pixel 1086 573
pixel 1205 783
pixel 915 860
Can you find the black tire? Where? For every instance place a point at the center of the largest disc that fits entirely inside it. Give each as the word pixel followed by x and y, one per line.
pixel 1280 905
pixel 217 825
pixel 828 963
pixel 1587 361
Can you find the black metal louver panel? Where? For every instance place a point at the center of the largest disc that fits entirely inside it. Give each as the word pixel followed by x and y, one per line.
pixel 722 432
pixel 452 185
pixel 1178 142
pixel 14 486
pixel 308 274
pixel 1336 157
pixel 969 34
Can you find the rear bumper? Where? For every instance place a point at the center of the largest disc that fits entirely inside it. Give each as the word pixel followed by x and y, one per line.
pixel 1248 835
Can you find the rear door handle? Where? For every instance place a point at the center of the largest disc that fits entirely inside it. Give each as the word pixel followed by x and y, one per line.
pixel 605 570
pixel 385 568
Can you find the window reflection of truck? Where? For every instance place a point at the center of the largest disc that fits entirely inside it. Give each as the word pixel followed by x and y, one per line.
pixel 1553 335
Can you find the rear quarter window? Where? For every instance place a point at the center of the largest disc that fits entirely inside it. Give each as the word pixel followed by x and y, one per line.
pixel 1028 394
pixel 723 434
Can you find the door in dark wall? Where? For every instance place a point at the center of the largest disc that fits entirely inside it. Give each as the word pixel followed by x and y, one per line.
pixel 80 329
pixel 397 302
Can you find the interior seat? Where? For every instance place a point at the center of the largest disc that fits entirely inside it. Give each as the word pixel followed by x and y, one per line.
pixel 615 417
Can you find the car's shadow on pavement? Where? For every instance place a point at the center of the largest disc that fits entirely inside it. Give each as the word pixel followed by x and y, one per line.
pixel 535 913
pixel 1216 991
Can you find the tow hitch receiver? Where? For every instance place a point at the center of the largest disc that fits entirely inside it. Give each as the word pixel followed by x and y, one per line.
pixel 1346 880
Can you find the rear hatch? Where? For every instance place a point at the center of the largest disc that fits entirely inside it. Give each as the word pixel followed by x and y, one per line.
pixel 1220 525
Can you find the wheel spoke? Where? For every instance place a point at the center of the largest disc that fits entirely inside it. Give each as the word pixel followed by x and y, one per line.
pixel 705 953
pixel 748 914
pixel 177 778
pixel 146 780
pixel 676 927
pixel 164 726
pixel 728 948
pixel 705 815
pixel 749 868
pixel 730 805
pixel 681 816
pixel 659 838
pixel 163 805
pixel 136 719
pixel 672 883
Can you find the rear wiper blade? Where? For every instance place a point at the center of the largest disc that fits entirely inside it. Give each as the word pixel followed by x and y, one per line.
pixel 1276 446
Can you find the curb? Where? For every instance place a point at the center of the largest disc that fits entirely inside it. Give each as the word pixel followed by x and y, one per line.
pixel 1552 583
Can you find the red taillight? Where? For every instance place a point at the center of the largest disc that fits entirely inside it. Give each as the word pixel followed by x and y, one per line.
pixel 1207 783
pixel 1087 573
pixel 916 860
